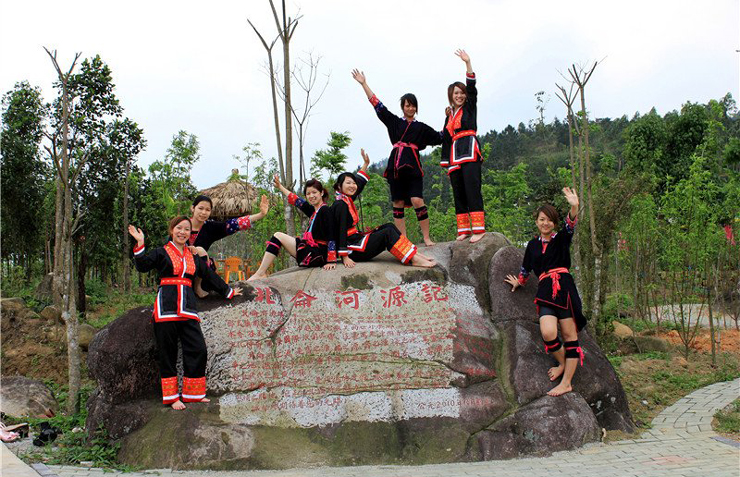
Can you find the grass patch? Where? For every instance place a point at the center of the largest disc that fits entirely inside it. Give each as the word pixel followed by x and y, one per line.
pixel 727 421
pixel 654 381
pixel 71 446
pixel 617 360
pixel 116 304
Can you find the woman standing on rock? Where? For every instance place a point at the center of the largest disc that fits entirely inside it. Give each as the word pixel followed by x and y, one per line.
pixel 364 246
pixel 461 155
pixel 548 255
pixel 206 231
pixel 175 315
pixel 403 172
pixel 316 247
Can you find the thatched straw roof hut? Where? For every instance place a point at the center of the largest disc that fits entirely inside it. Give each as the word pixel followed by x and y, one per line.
pixel 232 198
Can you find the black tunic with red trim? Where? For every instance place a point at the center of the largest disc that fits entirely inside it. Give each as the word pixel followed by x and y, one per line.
pixel 408 138
pixel 317 245
pixel 175 297
pixel 346 217
pixel 554 289
pixel 459 143
pixel 365 246
pixel 212 230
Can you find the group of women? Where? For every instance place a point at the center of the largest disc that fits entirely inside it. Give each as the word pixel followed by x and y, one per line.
pixel 333 235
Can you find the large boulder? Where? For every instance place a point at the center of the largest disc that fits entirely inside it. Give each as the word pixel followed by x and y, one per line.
pixel 525 358
pixel 23 397
pixel 542 427
pixel 377 364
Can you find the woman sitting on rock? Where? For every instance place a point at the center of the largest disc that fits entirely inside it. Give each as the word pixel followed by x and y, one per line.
pixel 175 314
pixel 557 298
pixel 316 247
pixel 363 246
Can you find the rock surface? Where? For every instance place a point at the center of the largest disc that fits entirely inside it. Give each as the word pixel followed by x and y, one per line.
pixel 23 397
pixel 377 364
pixel 52 314
pixel 85 334
pixel 622 331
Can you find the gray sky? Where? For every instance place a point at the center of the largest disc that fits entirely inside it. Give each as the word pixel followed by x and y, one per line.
pixel 198 66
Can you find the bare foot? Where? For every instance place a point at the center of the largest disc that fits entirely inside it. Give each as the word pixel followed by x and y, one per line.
pixel 257 276
pixel 476 237
pixel 424 256
pixel 555 372
pixel 200 292
pixel 205 400
pixel 559 390
pixel 178 405
pixel 460 238
pixel 422 261
pixel 428 242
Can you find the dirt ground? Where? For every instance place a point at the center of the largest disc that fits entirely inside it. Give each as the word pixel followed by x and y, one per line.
pixel 728 340
pixel 35 348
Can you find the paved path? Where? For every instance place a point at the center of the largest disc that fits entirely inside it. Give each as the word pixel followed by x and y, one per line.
pixel 680 444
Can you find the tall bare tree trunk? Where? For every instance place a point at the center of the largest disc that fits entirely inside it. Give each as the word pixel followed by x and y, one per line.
pixel 56 280
pixel 581 77
pixel 63 281
pixel 124 257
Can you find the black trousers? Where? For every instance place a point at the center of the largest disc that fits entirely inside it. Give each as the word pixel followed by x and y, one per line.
pixel 194 351
pixel 371 245
pixel 466 188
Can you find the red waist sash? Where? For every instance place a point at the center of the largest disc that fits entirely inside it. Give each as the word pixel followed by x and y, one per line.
pixel 554 274
pixel 176 281
pixel 400 145
pixel 460 134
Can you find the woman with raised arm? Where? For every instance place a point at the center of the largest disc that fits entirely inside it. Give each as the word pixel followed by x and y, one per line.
pixel 363 246
pixel 316 247
pixel 403 172
pixel 548 255
pixel 206 231
pixel 175 314
pixel 461 155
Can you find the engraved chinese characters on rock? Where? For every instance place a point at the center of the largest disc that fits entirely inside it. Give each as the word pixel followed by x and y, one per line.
pixel 358 344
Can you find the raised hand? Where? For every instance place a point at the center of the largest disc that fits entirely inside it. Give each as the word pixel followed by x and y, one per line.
pixel 359 76
pixel 276 181
pixel 137 234
pixel 264 205
pixel 571 196
pixel 462 55
pixel 365 159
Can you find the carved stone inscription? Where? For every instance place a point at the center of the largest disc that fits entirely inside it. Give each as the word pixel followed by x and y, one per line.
pixel 322 357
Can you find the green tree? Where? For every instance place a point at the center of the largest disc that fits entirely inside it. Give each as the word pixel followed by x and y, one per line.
pixel 171 176
pixel 331 160
pixel 80 113
pixel 23 175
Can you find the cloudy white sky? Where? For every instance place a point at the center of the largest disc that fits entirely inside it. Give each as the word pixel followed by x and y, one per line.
pixel 198 66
